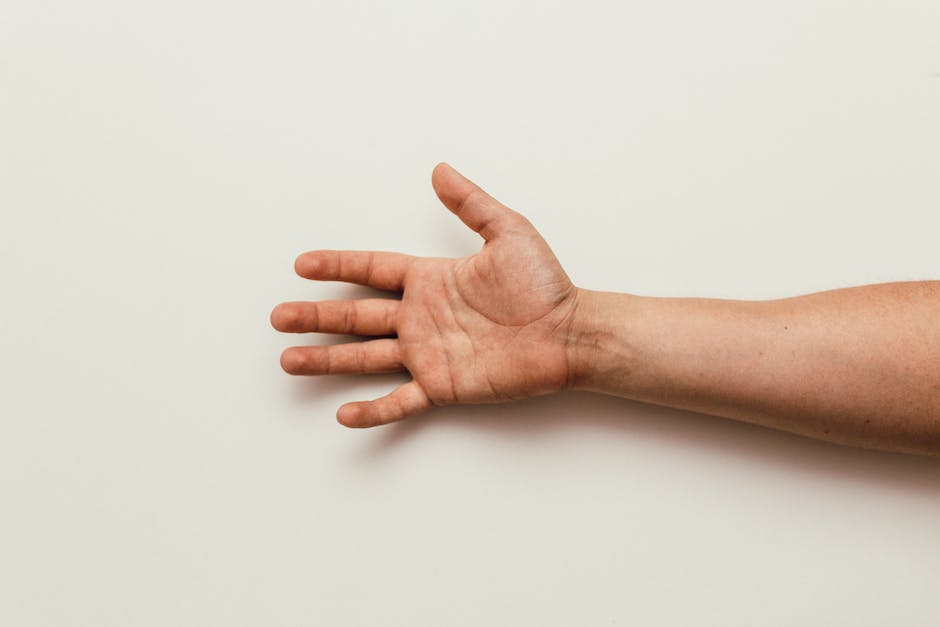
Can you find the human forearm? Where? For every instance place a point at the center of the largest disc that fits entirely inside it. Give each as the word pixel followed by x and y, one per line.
pixel 858 366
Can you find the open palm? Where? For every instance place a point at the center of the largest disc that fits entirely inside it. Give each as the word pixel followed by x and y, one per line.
pixel 486 328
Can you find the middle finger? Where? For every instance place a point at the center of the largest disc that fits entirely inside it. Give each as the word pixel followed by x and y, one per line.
pixel 366 316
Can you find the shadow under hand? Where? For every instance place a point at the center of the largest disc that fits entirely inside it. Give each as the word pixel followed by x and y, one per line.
pixel 691 433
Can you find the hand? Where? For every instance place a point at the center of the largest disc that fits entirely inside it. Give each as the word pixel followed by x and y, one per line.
pixel 486 328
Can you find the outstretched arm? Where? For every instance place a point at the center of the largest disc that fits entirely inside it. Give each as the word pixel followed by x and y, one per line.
pixel 857 366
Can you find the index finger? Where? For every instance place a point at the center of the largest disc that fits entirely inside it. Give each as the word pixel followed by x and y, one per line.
pixel 381 270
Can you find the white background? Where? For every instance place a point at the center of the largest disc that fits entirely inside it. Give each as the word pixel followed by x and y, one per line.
pixel 162 163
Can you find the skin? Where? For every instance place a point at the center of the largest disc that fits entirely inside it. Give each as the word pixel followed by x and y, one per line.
pixel 857 366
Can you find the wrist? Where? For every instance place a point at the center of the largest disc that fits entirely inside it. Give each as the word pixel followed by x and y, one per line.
pixel 599 345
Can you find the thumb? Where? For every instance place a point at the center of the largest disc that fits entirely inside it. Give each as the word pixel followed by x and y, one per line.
pixel 477 209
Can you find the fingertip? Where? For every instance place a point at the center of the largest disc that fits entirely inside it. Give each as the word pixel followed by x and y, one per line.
pixel 286 317
pixel 451 186
pixel 348 415
pixel 272 317
pixel 447 181
pixel 438 175
pixel 441 168
pixel 306 264
pixel 291 361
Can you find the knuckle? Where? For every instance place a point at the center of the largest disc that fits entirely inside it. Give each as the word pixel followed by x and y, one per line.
pixel 391 317
pixel 326 360
pixel 350 319
pixel 370 267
